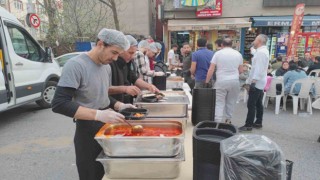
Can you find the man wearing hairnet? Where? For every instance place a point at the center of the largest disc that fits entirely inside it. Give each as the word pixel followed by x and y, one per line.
pixel 141 59
pixel 82 94
pixel 123 76
pixel 153 59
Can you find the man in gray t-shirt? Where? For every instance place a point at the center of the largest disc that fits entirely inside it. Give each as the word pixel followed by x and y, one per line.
pixel 92 86
pixel 82 93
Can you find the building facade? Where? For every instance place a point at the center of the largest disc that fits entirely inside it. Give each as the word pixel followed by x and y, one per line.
pixel 20 9
pixel 241 20
pixel 138 17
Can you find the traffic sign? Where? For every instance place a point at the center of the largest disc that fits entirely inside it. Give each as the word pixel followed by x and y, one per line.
pixel 34 20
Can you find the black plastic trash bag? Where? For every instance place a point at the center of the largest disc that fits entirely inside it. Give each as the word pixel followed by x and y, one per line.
pixel 251 157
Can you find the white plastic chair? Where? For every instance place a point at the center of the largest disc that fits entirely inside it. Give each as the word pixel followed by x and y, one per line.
pixel 316 72
pixel 316 104
pixel 304 94
pixel 272 93
pixel 317 88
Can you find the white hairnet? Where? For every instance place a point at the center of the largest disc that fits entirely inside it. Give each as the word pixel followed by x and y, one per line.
pixel 158 45
pixel 153 47
pixel 132 40
pixel 143 44
pixel 114 37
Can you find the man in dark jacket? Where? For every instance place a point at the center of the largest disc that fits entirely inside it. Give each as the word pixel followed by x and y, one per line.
pixel 316 65
pixel 187 65
pixel 125 82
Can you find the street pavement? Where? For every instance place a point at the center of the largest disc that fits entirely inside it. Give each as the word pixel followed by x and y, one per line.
pixel 38 144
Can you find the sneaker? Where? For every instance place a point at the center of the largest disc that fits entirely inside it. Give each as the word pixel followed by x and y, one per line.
pixel 257 126
pixel 227 121
pixel 245 128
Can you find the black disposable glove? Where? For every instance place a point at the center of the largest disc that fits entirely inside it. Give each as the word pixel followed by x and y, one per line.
pixel 252 86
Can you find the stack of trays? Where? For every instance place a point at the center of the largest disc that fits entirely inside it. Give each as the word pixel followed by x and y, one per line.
pixel 156 153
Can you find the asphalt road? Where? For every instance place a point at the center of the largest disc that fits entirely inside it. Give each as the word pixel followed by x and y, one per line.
pixel 38 144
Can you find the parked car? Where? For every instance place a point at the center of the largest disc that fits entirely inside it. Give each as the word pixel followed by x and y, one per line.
pixel 28 72
pixel 64 58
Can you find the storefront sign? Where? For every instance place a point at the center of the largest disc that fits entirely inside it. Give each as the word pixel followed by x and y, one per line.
pixel 281 21
pixel 295 28
pixel 205 28
pixel 213 8
pixel 208 24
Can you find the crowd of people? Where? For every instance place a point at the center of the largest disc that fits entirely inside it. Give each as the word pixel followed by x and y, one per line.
pixel 224 70
pixel 95 85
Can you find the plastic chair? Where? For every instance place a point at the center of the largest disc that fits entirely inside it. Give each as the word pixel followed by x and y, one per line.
pixel 317 88
pixel 306 85
pixel 272 93
pixel 316 72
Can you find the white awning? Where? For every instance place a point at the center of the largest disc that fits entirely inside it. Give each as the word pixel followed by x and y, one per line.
pixel 208 24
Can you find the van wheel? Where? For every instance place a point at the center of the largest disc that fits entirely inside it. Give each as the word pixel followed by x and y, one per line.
pixel 47 95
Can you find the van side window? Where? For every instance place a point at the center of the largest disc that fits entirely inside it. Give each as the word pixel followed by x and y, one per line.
pixel 23 45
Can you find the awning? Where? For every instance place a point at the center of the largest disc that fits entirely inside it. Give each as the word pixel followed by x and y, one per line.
pixel 208 24
pixel 283 21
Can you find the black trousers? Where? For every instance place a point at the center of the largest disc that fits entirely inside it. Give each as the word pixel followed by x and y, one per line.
pixel 189 81
pixel 255 107
pixel 87 149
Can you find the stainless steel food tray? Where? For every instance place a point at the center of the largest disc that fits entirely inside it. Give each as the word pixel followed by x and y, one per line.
pixel 142 168
pixel 174 84
pixel 174 106
pixel 144 146
pixel 173 93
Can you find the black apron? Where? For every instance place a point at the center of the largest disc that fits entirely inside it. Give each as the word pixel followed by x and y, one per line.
pixel 87 150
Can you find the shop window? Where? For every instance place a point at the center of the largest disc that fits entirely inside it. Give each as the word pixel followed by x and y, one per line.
pixel 23 44
pixel 18 4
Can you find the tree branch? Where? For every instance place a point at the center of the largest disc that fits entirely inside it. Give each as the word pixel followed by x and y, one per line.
pixel 106 3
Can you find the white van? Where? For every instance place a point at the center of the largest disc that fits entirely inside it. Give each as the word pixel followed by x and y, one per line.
pixel 28 73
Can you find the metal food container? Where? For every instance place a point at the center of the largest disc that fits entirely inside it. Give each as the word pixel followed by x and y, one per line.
pixel 142 168
pixel 142 146
pixel 175 106
pixel 173 93
pixel 170 84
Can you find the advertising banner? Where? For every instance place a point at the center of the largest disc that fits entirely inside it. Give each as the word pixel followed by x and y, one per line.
pixel 295 28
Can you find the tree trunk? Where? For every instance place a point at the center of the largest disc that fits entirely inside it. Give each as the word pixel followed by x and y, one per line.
pixel 52 31
pixel 115 14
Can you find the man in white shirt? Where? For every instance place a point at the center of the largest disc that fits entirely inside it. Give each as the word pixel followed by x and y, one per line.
pixel 258 80
pixel 172 57
pixel 228 63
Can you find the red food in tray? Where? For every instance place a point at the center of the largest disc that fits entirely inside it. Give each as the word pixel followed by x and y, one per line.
pixel 147 131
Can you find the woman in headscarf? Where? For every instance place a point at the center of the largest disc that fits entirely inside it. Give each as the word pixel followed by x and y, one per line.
pixel 283 69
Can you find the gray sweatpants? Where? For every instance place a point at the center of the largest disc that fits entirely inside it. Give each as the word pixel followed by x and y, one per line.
pixel 227 93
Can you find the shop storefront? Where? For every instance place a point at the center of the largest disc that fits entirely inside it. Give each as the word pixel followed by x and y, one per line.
pixel 278 29
pixel 190 30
